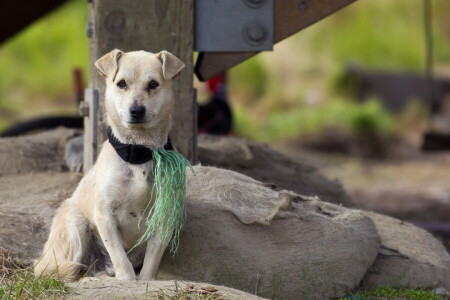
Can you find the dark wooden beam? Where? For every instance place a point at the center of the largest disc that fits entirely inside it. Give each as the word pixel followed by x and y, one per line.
pixel 15 15
pixel 290 16
pixel 151 25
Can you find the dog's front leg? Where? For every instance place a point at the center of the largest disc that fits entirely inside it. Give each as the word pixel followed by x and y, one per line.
pixel 153 254
pixel 108 230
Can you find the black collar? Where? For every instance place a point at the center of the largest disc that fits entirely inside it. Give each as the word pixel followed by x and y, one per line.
pixel 133 154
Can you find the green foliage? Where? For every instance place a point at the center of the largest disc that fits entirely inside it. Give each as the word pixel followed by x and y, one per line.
pixel 38 62
pixel 36 66
pixel 251 78
pixel 358 118
pixel 243 123
pixel 389 293
pixel 370 118
pixel 380 34
pixel 42 57
pixel 21 284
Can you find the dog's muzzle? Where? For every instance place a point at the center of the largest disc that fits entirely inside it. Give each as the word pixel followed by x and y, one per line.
pixel 137 114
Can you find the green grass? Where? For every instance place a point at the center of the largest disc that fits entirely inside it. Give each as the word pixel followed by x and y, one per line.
pixel 389 293
pixel 17 281
pixel 22 285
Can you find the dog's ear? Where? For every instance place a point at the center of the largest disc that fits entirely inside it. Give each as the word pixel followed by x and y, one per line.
pixel 171 65
pixel 108 64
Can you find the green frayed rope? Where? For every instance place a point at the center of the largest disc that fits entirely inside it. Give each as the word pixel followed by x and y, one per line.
pixel 166 216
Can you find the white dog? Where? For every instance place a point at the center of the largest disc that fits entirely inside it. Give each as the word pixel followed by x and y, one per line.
pixel 95 228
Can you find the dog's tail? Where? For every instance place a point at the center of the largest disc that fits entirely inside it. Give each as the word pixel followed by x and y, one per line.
pixel 67 271
pixel 63 251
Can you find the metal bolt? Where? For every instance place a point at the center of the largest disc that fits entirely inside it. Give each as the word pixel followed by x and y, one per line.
pixel 89 30
pixel 303 5
pixel 84 109
pixel 255 33
pixel 255 3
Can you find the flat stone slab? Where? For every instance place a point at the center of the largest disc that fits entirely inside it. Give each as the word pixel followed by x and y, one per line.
pixel 112 289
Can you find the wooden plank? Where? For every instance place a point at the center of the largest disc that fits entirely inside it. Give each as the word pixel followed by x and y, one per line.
pixel 15 15
pixel 151 25
pixel 90 145
pixel 290 16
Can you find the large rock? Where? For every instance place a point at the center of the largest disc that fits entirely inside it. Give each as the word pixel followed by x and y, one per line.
pixel 239 233
pixel 27 205
pixel 269 166
pixel 34 153
pixel 409 257
pixel 107 289
pixel 278 245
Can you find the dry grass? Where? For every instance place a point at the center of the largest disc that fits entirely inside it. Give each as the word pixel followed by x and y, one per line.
pixel 9 264
pixel 17 281
pixel 188 293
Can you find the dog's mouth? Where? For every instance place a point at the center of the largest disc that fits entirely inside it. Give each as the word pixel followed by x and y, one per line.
pixel 136 122
pixel 140 121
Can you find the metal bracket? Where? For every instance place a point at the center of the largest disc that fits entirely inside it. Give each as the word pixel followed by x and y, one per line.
pixel 89 110
pixel 233 25
pixel 89 30
pixel 291 16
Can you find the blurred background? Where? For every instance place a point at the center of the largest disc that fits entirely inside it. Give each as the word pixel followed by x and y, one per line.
pixel 348 94
pixel 300 89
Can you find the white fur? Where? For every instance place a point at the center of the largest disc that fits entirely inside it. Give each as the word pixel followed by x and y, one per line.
pixel 110 200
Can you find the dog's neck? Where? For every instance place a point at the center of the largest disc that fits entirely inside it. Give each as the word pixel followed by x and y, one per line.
pixel 153 138
pixel 133 153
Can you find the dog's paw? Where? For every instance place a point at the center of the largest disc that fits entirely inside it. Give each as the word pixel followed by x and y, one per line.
pixel 125 276
pixel 88 279
pixel 126 273
pixel 146 278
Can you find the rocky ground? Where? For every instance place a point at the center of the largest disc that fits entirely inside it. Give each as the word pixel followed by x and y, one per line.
pixel 251 234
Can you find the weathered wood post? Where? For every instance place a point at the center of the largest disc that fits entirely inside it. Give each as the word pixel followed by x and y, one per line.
pixel 151 25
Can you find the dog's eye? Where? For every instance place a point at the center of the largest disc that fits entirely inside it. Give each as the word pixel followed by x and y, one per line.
pixel 122 84
pixel 152 85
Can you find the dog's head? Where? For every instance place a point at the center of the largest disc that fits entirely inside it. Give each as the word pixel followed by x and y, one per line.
pixel 139 87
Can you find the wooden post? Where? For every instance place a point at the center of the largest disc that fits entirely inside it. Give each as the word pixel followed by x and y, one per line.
pixel 151 25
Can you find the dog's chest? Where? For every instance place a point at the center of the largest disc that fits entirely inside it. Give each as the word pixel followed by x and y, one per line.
pixel 132 199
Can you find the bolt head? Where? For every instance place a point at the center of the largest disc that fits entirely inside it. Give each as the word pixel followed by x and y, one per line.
pixel 303 5
pixel 84 109
pixel 255 33
pixel 255 3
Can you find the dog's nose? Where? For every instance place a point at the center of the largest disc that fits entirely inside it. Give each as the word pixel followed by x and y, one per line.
pixel 137 112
